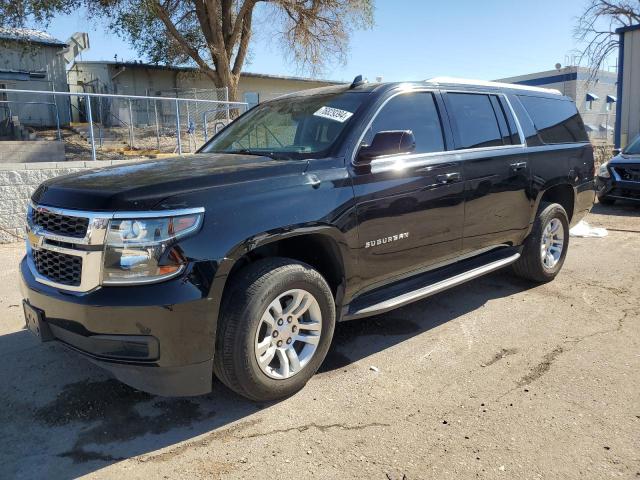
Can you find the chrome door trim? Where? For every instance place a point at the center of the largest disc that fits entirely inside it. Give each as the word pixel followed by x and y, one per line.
pixel 402 161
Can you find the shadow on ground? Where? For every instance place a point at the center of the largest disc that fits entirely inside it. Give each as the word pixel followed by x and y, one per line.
pixel 62 417
pixel 622 208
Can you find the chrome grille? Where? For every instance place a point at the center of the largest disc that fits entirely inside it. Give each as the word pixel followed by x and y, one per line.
pixel 58 267
pixel 58 224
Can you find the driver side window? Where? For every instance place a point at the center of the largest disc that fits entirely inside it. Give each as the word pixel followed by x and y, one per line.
pixel 414 111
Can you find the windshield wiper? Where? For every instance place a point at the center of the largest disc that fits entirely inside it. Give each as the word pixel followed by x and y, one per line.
pixel 260 153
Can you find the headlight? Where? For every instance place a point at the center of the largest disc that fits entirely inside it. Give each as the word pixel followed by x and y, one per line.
pixel 603 171
pixel 138 250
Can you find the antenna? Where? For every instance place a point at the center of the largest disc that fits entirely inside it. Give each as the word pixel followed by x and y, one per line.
pixel 357 82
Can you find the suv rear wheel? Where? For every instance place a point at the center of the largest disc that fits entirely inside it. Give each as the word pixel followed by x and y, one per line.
pixel 546 246
pixel 275 329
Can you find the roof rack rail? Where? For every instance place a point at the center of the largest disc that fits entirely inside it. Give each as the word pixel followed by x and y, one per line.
pixel 484 83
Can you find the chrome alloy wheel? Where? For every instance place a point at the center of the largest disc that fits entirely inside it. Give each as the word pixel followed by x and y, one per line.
pixel 552 243
pixel 288 334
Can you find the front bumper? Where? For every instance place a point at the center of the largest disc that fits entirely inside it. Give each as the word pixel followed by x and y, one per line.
pixel 158 338
pixel 619 189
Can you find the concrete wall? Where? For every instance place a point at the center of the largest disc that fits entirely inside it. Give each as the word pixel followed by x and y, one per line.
pixel 46 59
pixel 31 151
pixel 17 183
pixel 630 101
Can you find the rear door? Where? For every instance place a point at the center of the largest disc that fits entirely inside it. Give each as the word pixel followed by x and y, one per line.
pixel 410 207
pixel 495 166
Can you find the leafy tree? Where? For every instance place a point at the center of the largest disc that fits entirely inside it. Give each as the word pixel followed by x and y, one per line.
pixel 596 28
pixel 215 35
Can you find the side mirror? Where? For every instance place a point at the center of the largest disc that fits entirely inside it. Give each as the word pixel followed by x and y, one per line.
pixel 617 151
pixel 390 142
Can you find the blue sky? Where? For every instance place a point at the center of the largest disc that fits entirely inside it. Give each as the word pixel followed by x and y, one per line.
pixel 412 40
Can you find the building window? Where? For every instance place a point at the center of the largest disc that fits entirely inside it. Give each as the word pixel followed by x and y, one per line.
pixel 591 97
pixel 251 98
pixel 611 99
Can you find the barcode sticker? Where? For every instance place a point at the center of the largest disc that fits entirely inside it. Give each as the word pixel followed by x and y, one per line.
pixel 333 114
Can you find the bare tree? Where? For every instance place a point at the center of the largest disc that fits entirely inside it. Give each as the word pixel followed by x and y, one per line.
pixel 596 27
pixel 214 35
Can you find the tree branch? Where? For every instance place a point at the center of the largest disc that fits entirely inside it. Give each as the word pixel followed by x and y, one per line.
pixel 163 15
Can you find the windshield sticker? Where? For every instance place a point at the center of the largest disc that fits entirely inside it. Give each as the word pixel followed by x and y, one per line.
pixel 334 114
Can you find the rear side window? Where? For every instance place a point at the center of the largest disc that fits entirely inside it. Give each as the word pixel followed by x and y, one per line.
pixel 476 120
pixel 557 120
pixel 415 111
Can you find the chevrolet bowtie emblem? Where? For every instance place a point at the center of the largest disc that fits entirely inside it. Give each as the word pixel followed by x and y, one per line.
pixel 35 240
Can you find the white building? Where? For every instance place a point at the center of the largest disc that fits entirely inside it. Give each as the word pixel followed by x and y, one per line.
pixel 628 115
pixel 32 60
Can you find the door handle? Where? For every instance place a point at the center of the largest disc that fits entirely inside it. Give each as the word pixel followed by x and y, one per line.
pixel 448 177
pixel 518 166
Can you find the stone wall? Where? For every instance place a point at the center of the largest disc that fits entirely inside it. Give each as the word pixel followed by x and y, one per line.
pixel 602 153
pixel 19 180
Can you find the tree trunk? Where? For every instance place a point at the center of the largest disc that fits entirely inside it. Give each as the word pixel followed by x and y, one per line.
pixel 233 91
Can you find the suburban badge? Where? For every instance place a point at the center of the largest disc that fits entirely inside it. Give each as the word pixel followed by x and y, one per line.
pixel 389 239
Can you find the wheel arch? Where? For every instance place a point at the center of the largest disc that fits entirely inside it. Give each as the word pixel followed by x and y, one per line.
pixel 323 247
pixel 563 194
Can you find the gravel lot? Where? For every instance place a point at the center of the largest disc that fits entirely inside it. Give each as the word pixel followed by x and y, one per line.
pixel 494 379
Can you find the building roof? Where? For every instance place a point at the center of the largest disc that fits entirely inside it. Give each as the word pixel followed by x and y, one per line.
pixel 628 28
pixel 28 35
pixel 155 66
pixel 565 74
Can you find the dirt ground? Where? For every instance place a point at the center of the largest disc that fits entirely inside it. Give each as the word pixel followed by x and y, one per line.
pixel 494 379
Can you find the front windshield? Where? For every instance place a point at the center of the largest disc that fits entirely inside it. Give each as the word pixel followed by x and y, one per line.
pixel 634 148
pixel 305 126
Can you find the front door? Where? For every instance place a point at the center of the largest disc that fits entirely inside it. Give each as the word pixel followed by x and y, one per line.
pixel 410 207
pixel 496 171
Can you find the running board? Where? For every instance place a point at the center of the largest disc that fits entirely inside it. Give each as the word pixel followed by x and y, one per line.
pixel 431 289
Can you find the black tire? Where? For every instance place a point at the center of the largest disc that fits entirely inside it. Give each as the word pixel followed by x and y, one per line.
pixel 606 200
pixel 252 291
pixel 530 265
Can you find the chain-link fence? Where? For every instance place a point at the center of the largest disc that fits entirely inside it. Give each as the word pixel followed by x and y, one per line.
pixel 600 126
pixel 115 126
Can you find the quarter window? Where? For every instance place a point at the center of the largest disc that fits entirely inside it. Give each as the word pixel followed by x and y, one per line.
pixel 557 120
pixel 415 111
pixel 476 120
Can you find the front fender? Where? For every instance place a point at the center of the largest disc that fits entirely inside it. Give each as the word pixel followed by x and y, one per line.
pixel 242 217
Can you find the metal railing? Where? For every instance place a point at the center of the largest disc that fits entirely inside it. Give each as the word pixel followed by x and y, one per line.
pixel 167 119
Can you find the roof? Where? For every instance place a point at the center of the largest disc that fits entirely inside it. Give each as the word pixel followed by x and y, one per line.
pixel 155 66
pixel 628 28
pixel 29 35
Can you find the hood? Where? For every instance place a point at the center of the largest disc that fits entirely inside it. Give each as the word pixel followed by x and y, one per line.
pixel 625 158
pixel 142 185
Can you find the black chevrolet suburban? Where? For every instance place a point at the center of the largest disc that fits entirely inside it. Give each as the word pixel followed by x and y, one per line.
pixel 317 207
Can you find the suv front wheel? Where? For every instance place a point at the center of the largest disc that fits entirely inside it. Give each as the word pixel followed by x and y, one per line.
pixel 275 329
pixel 546 246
